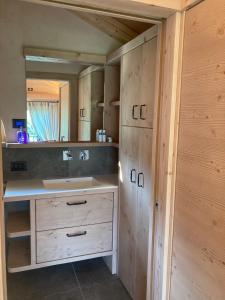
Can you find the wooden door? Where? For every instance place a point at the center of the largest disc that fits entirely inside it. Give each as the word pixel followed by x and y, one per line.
pixel 3 289
pixel 145 208
pixel 128 207
pixel 138 85
pixel 198 262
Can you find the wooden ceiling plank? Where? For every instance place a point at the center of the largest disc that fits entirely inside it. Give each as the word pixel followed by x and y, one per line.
pixel 143 10
pixel 39 54
pixel 109 25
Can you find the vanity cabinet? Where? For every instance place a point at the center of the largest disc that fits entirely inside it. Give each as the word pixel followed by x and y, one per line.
pixel 138 85
pixel 63 228
pixel 90 93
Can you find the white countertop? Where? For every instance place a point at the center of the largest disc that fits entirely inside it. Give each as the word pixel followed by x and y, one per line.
pixel 17 190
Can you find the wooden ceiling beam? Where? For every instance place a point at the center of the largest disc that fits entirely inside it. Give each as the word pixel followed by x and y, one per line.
pixel 140 10
pixel 109 25
pixel 58 56
pixel 186 4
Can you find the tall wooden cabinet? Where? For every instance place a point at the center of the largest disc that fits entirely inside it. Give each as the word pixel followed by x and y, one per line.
pixel 136 201
pixel 91 92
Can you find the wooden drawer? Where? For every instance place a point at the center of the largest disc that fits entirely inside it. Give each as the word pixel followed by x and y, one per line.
pixel 76 241
pixel 73 211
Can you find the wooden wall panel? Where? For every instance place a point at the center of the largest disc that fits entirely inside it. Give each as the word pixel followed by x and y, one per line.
pixel 198 263
pixel 3 288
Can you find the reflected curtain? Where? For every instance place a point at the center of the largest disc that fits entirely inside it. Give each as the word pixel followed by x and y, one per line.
pixel 45 119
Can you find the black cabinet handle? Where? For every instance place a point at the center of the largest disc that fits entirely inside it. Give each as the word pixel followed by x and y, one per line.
pixel 133 112
pixel 76 203
pixel 80 112
pixel 141 111
pixel 69 235
pixel 133 176
pixel 141 180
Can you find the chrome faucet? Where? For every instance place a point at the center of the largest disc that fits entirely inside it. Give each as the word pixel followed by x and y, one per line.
pixel 84 155
pixel 67 155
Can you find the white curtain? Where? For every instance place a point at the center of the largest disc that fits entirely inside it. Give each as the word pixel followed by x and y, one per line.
pixel 45 119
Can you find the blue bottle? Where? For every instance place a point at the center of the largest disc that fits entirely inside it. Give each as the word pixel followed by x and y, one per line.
pixel 21 136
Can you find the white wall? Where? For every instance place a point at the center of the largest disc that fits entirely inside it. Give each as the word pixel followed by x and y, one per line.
pixel 23 24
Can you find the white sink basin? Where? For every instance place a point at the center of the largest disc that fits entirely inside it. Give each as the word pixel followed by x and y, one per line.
pixel 70 183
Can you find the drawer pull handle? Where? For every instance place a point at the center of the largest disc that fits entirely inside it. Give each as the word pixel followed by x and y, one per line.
pixel 76 203
pixel 69 235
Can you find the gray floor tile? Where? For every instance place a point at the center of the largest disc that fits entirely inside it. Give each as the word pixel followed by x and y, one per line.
pixel 93 271
pixel 36 284
pixel 91 281
pixel 74 294
pixel 106 291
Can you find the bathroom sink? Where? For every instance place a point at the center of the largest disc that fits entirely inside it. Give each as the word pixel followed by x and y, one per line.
pixel 70 183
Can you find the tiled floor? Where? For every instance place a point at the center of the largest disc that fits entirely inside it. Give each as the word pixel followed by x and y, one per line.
pixel 87 280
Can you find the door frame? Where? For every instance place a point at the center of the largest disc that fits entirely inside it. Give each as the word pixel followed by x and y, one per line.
pixel 3 283
pixel 168 116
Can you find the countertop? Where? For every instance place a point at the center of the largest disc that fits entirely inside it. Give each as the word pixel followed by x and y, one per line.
pixel 17 190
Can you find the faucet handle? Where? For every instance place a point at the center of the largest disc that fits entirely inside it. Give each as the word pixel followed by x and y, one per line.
pixel 84 155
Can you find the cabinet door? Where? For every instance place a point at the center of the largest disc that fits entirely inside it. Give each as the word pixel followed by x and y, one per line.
pixel 144 212
pixel 130 87
pixel 86 113
pixel 84 131
pixel 128 207
pixel 80 98
pixel 135 209
pixel 138 85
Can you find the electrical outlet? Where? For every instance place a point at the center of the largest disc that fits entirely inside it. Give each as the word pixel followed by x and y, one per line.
pixel 18 166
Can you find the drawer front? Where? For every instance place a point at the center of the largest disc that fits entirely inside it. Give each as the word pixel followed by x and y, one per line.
pixel 73 211
pixel 71 242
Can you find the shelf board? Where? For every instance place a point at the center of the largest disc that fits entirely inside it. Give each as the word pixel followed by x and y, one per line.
pixel 60 145
pixel 18 224
pixel 18 255
pixel 101 104
pixel 115 103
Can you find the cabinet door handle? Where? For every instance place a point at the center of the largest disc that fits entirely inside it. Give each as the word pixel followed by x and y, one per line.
pixel 83 114
pixel 80 112
pixel 133 176
pixel 76 203
pixel 141 111
pixel 75 234
pixel 133 112
pixel 141 180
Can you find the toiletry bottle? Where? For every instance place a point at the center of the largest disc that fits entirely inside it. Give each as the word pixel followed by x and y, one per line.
pixel 103 136
pixel 100 136
pixel 21 136
pixel 97 135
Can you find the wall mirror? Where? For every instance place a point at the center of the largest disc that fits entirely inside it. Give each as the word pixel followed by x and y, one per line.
pixel 59 100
